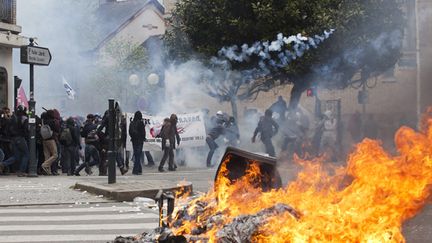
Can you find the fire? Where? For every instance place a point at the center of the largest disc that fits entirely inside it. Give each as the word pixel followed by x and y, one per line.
pixel 365 201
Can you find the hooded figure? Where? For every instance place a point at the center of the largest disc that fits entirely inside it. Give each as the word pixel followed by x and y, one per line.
pixel 267 127
pixel 138 136
pixel 169 135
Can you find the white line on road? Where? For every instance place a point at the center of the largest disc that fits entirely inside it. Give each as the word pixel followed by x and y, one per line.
pixel 58 238
pixel 76 227
pixel 79 217
pixel 66 210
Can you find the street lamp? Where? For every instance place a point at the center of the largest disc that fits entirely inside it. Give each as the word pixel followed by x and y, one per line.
pixel 153 79
pixel 134 80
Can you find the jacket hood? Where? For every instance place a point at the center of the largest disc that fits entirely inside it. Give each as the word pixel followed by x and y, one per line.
pixel 138 116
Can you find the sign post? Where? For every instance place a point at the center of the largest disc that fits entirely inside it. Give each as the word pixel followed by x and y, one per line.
pixel 33 55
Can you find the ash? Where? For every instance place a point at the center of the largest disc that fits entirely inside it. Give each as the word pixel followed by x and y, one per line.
pixel 243 228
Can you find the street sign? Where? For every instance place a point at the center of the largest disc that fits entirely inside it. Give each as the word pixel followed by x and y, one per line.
pixel 35 55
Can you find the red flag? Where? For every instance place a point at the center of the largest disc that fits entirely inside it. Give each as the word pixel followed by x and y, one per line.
pixel 22 98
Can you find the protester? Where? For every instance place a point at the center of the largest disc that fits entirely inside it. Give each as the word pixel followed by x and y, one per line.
pixel 292 134
pixel 279 107
pixel 59 123
pixel 138 136
pixel 5 139
pixel 232 133
pixel 19 134
pixel 169 135
pixel 49 131
pixel 217 130
pixel 70 140
pixel 88 132
pixel 267 128
pixel 91 153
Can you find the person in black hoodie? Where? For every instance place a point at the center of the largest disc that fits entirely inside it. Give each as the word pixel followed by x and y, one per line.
pixel 267 127
pixel 70 140
pixel 19 133
pixel 138 136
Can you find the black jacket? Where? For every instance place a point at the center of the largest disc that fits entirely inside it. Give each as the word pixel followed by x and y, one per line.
pixel 137 132
pixel 267 127
pixel 19 126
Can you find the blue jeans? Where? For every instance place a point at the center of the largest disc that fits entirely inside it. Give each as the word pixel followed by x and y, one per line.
pixel 21 153
pixel 1 155
pixel 92 158
pixel 137 151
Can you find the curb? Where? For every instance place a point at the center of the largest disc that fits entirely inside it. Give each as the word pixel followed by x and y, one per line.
pixel 124 194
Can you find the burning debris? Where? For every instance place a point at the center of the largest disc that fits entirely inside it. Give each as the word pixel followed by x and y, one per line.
pixel 383 192
pixel 243 228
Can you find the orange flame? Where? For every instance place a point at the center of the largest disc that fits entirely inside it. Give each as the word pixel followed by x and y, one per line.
pixel 366 201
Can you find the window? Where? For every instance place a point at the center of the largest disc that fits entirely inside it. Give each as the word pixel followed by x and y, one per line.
pixel 7 11
pixel 3 87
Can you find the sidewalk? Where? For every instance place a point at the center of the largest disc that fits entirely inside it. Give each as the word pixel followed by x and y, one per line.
pixel 60 189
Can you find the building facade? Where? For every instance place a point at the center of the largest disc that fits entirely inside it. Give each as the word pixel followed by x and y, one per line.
pixel 9 39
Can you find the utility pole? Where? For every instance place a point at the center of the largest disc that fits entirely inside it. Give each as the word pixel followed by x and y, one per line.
pixel 32 123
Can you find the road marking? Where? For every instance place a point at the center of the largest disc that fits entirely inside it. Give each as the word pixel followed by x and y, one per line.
pixel 79 217
pixel 75 227
pixel 66 210
pixel 58 238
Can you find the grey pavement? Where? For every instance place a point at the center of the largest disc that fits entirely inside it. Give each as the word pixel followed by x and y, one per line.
pixel 58 190
pixel 100 222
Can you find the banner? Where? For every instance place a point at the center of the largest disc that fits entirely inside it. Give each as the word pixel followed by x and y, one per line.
pixel 190 127
pixel 22 98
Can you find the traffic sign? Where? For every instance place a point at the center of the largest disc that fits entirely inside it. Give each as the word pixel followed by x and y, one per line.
pixel 35 55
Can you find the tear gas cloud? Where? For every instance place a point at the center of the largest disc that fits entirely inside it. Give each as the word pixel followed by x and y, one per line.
pixel 64 27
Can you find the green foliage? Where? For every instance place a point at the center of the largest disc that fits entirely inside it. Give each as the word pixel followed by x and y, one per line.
pixel 205 26
pixel 127 55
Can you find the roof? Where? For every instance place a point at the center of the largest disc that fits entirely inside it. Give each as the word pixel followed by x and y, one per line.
pixel 112 16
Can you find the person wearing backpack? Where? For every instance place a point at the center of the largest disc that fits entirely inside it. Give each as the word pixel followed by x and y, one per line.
pixel 70 140
pixel 169 135
pixel 88 132
pixel 49 131
pixel 138 136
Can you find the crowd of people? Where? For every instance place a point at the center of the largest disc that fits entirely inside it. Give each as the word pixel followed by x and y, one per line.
pixel 71 145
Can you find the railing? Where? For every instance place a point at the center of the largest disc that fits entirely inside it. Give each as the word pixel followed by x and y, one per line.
pixel 8 11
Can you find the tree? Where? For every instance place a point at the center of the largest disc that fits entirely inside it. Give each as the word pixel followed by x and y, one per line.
pixel 111 80
pixel 367 39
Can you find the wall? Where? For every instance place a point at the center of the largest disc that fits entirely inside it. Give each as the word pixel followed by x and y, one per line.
pixel 6 62
pixel 135 32
pixel 425 52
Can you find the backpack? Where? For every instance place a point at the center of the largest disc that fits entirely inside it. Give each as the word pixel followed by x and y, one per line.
pixel 66 137
pixel 92 137
pixel 46 131
pixel 133 129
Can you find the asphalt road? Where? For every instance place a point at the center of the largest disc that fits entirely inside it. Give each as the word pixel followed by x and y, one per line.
pixel 92 222
pixel 91 218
